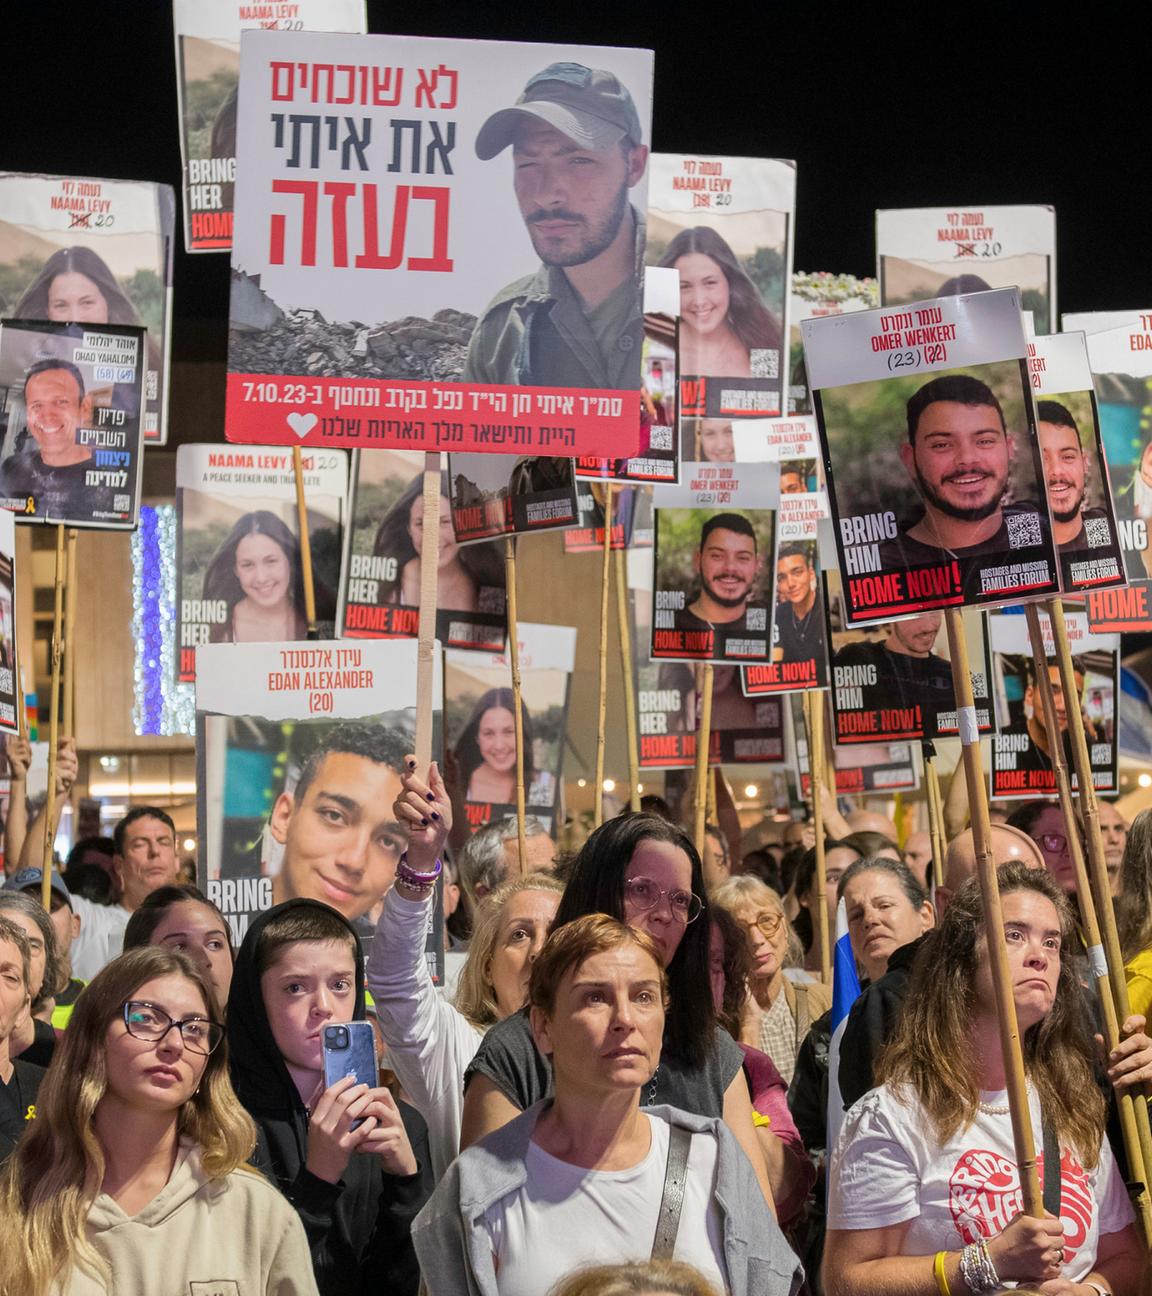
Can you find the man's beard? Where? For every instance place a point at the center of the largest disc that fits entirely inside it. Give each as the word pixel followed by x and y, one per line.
pixel 723 599
pixel 977 514
pixel 597 239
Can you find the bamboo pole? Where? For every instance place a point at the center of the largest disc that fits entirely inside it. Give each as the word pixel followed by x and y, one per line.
pixel 814 721
pixel 53 723
pixel 72 593
pixel 429 585
pixel 306 544
pixel 1022 1137
pixel 935 812
pixel 517 705
pixel 1137 1160
pixel 703 743
pixel 622 615
pixel 605 586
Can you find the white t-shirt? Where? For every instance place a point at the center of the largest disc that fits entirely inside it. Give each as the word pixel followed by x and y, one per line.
pixel 564 1217
pixel 101 936
pixel 889 1169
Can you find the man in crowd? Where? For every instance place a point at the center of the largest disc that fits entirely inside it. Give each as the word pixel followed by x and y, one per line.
pixel 727 564
pixel 1065 469
pixel 1114 831
pixel 799 613
pixel 576 152
pixel 491 856
pixel 918 855
pixel 716 859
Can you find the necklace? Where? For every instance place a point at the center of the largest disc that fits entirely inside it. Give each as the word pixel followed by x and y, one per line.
pixel 652 1088
pixel 1001 1109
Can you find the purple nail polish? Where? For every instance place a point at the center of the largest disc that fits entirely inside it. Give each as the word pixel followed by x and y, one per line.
pixel 424 823
pixel 431 796
pixel 435 815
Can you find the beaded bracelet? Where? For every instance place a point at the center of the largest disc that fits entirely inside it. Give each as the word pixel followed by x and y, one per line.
pixel 977 1270
pixel 417 881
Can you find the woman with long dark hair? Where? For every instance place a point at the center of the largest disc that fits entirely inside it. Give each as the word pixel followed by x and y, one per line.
pixel 1134 913
pixel 256 572
pixel 486 752
pixel 722 318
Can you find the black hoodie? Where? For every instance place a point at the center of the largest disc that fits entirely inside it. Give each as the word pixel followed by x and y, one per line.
pixel 359 1230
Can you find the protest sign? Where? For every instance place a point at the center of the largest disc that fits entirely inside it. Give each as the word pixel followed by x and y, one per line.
pixel 238 545
pixel 93 252
pixel 496 495
pixel 207 76
pixel 1021 751
pixel 933 466
pixel 380 593
pixel 398 283
pixel 1075 470
pixel 631 519
pixel 480 723
pixel 927 252
pixel 300 749
pixel 715 564
pixel 880 768
pixel 72 401
pixel 894 680
pixel 10 699
pixel 814 296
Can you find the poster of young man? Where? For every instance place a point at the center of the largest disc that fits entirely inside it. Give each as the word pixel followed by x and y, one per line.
pixel 894 680
pixel 300 748
pixel 1075 470
pixel 934 472
pixel 10 699
pixel 926 252
pixel 438 244
pixel 814 296
pixel 96 252
pixel 715 565
pixel 880 768
pixel 72 400
pixel 380 594
pixel 657 459
pixel 1022 750
pixel 480 723
pixel 498 495
pixel 238 545
pixel 632 520
pixel 725 225
pixel 207 76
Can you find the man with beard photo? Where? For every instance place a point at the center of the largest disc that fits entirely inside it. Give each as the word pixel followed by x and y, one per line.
pixel 728 565
pixel 578 320
pixel 958 455
pixel 1065 468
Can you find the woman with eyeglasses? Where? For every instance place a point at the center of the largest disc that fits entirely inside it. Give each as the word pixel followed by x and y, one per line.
pixel 645 872
pixel 777 1012
pixel 133 1176
pixel 1043 821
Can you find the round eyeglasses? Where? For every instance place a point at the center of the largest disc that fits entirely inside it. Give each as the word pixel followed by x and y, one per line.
pixel 144 1021
pixel 642 893
pixel 769 923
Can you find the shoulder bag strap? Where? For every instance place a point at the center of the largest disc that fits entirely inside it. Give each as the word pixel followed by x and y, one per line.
pixel 1052 1186
pixel 803 1014
pixel 672 1199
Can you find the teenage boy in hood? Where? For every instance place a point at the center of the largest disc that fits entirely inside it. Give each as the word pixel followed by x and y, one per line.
pixel 356 1190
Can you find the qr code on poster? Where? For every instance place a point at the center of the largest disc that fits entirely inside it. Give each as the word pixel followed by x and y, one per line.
pixel 765 362
pixel 121 503
pixel 756 618
pixel 1023 530
pixel 659 438
pixel 1097 532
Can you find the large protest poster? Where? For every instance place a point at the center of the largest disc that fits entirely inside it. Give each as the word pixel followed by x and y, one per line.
pixel 207 79
pixel 1022 750
pixel 933 466
pixel 1075 469
pixel 924 252
pixel 498 495
pixel 238 545
pixel 409 270
pixel 715 564
pixel 480 723
pixel 632 518
pixel 380 591
pixel 868 768
pixel 657 459
pixel 300 749
pixel 814 296
pixel 71 399
pixel 10 699
pixel 893 681
pixel 91 251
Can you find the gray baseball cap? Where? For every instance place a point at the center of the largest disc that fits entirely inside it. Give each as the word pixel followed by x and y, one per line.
pixel 31 877
pixel 590 106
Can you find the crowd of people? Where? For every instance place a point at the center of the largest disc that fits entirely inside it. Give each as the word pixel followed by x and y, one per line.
pixel 624 1089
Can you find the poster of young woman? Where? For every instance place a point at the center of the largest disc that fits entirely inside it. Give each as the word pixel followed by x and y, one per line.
pixel 71 397
pixel 10 699
pixel 300 748
pixel 380 590
pixel 207 79
pixel 931 456
pixel 814 296
pixel 1022 750
pixel 402 276
pixel 498 495
pixel 93 252
pixel 238 545
pixel 880 768
pixel 926 252
pixel 480 723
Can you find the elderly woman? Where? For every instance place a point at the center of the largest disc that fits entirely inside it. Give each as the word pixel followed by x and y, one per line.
pixel 580 1178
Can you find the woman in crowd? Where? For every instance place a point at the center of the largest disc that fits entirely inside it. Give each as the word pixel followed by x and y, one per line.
pixel 486 753
pixel 182 918
pixel 642 870
pixel 430 1041
pixel 33 1038
pixel 802 901
pixel 777 1011
pixel 133 1176
pixel 924 1194
pixel 1134 913
pixel 256 572
pixel 722 319
pixel 652 1278
pixel 580 1178
pixel 19 1080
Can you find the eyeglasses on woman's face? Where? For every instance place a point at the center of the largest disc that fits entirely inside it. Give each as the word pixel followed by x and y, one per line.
pixel 144 1021
pixel 642 894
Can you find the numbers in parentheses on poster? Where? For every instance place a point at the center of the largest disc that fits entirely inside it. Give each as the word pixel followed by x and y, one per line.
pixel 320 703
pixel 936 353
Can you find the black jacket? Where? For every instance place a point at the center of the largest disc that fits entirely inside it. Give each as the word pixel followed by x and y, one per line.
pixel 359 1230
pixel 14 1118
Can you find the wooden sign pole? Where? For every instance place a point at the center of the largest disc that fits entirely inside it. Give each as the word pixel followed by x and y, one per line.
pixel 72 593
pixel 703 743
pixel 622 615
pixel 517 706
pixel 1023 1141
pixel 605 587
pixel 53 723
pixel 429 582
pixel 935 812
pixel 306 544
pixel 814 722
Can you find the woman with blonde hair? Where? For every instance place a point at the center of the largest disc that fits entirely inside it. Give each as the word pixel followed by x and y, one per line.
pixel 652 1278
pixel 133 1175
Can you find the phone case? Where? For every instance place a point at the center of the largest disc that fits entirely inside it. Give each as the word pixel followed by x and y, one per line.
pixel 358 1059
